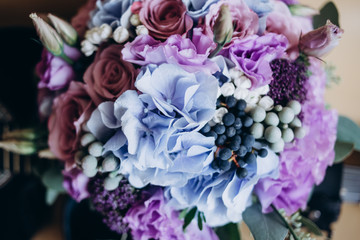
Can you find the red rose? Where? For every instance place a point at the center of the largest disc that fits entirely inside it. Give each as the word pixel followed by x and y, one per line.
pixel 70 110
pixel 109 75
pixel 164 18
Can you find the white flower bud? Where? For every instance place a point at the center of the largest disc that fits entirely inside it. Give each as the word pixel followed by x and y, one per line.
pixel 94 35
pixel 141 30
pixel 95 149
pixel 110 163
pixel 105 31
pixel 272 134
pixel 86 139
pixel 267 103
pixel 121 34
pixel 278 146
pixel 241 93
pixel 111 184
pixel 65 29
pixel 135 20
pixel 227 89
pixel 235 73
pixel 90 173
pixel 219 113
pixel 89 162
pixel 88 48
pixel 242 82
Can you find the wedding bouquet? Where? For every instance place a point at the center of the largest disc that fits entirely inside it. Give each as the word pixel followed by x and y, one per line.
pixel 177 118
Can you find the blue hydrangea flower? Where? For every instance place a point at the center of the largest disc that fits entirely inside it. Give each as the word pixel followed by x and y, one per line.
pixel 262 8
pixel 113 12
pixel 155 133
pixel 223 196
pixel 198 8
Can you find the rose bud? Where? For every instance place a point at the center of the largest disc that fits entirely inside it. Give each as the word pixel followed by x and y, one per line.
pixel 67 32
pixel 320 41
pixel 223 28
pixel 48 36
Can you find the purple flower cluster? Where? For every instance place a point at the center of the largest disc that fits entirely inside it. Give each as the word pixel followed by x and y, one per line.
pixel 112 204
pixel 155 219
pixel 289 81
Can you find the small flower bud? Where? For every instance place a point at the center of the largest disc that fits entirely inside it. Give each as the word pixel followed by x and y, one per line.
pixel 48 36
pixel 141 30
pixel 227 89
pixel 67 32
pixel 105 31
pixel 320 41
pixel 111 184
pixel 135 20
pixel 93 36
pixel 121 34
pixel 223 27
pixel 110 163
pixel 86 139
pixel 95 149
pixel 88 48
pixel 89 162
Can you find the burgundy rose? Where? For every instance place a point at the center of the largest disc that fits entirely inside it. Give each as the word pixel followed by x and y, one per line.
pixel 164 18
pixel 109 75
pixel 71 109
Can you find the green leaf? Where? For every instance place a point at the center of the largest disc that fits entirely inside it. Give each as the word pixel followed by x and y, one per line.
pixel 200 224
pixel 348 131
pixel 264 226
pixel 183 213
pixel 342 151
pixel 189 217
pixel 311 226
pixel 329 11
pixel 53 179
pixel 203 216
pixel 51 196
pixel 229 232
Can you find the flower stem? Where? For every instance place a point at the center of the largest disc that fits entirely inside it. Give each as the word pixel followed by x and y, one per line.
pixel 66 58
pixel 285 222
pixel 217 50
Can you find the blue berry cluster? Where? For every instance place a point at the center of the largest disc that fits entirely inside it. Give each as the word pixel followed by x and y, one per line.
pixel 233 139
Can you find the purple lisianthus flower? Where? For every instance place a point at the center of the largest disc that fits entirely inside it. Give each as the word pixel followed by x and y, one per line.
pixel 304 162
pixel 54 72
pixel 112 12
pixel 75 183
pixel 253 55
pixel 155 219
pixel 222 197
pixel 198 8
pixel 191 55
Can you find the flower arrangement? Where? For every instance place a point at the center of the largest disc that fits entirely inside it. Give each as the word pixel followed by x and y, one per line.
pixel 177 118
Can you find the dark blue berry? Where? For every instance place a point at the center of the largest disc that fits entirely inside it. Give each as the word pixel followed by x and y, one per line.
pixel 228 119
pixel 230 132
pixel 237 124
pixel 230 101
pixel 224 165
pixel 234 146
pixel 238 131
pixel 212 134
pixel 219 129
pixel 242 151
pixel 241 163
pixel 205 129
pixel 250 158
pixel 247 121
pixel 263 152
pixel 241 105
pixel 225 154
pixel 240 114
pixel 215 164
pixel 241 173
pixel 220 140
pixel 248 140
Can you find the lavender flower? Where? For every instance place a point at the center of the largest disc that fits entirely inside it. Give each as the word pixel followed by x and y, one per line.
pixel 155 219
pixel 253 54
pixel 289 81
pixel 112 205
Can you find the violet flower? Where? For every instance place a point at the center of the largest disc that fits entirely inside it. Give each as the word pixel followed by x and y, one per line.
pixel 253 55
pixel 75 183
pixel 155 219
